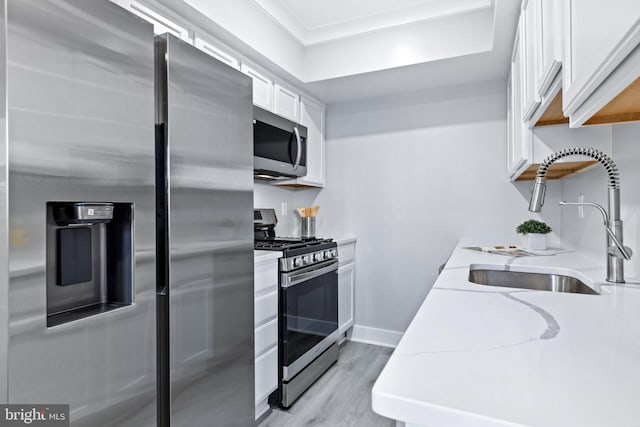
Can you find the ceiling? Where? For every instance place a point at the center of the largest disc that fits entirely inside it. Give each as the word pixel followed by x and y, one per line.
pixel 321 21
pixel 486 68
pixel 348 50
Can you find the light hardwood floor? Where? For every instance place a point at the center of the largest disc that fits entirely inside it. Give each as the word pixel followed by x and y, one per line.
pixel 342 396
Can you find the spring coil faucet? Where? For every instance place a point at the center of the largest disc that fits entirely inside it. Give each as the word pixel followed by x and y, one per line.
pixel 616 251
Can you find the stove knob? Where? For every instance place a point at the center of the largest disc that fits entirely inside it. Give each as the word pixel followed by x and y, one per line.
pixel 306 260
pixel 297 262
pixel 334 253
pixel 327 254
pixel 317 257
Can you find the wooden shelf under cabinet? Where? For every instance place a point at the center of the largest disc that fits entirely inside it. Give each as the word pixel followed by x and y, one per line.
pixel 297 185
pixel 625 107
pixel 553 115
pixel 556 170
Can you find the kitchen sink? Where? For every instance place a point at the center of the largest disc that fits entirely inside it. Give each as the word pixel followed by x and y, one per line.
pixel 524 280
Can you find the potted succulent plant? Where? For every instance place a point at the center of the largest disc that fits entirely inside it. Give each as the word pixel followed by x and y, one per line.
pixel 534 234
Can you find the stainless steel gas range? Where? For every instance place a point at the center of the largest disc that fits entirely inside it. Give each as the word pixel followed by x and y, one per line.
pixel 307 307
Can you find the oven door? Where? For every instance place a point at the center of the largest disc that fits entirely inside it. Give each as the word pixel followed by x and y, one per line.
pixel 309 315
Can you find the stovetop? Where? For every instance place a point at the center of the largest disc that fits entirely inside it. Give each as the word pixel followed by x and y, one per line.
pixel 288 243
pixel 299 253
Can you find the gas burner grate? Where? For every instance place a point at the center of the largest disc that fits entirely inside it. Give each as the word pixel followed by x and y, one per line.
pixel 288 243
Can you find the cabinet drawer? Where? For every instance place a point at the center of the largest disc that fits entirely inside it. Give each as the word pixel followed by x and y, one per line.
pixel 346 253
pixel 266 277
pixel 266 308
pixel 266 336
pixel 266 374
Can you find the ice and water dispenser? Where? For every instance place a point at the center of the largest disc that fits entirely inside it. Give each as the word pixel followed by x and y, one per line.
pixel 89 259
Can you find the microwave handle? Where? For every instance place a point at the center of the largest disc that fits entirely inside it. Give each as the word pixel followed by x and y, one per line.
pixel 299 155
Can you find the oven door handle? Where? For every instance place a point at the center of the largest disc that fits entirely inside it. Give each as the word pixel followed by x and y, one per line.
pixel 297 278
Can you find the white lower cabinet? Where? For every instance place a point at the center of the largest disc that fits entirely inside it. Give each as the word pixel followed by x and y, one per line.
pixel 266 335
pixel 266 330
pixel 346 285
pixel 266 379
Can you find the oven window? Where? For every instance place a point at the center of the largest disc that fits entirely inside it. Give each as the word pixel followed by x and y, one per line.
pixel 310 313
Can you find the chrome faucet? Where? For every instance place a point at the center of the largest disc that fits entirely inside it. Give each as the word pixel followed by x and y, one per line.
pixel 617 253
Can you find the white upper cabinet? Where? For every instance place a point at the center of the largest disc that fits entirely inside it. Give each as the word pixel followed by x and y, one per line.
pixel 161 24
pixel 550 52
pixel 312 117
pixel 286 103
pixel 217 53
pixel 530 41
pixel 543 62
pixel 262 87
pixel 519 137
pixel 600 60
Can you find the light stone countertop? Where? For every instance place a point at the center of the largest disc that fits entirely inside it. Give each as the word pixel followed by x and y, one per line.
pixel 343 240
pixel 263 256
pixel 478 355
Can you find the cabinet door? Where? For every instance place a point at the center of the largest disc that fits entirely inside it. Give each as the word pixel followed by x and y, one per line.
pixel 160 23
pixel 262 88
pixel 530 42
pixel 312 116
pixel 266 374
pixel 598 37
pixel 346 285
pixel 286 103
pixel 217 53
pixel 520 137
pixel 550 53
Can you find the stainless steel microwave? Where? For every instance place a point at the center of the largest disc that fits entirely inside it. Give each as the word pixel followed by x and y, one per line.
pixel 279 147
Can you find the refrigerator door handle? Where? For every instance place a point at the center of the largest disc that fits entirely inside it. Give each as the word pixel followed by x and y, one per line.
pixel 162 221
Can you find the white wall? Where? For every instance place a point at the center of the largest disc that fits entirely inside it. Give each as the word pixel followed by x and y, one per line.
pixel 588 234
pixel 266 195
pixel 410 177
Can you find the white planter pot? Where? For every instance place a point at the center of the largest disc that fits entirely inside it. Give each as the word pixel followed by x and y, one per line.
pixel 534 241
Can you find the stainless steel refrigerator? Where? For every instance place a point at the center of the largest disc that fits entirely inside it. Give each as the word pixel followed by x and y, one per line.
pixel 77 229
pixel 95 312
pixel 205 251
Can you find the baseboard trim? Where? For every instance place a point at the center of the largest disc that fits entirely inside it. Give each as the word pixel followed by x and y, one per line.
pixel 375 336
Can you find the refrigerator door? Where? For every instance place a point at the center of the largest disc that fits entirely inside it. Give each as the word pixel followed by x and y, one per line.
pixel 4 211
pixel 204 112
pixel 80 128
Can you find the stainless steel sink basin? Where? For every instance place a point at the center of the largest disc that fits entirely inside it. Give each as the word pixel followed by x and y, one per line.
pixel 535 281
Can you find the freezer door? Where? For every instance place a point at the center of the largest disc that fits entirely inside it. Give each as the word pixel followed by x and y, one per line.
pixel 80 128
pixel 206 110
